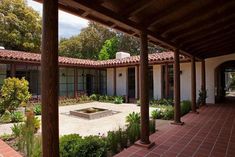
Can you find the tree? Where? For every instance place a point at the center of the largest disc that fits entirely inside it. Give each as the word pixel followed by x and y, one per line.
pixel 20 26
pixel 88 43
pixel 109 49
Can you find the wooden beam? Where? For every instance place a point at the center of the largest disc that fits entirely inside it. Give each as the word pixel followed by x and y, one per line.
pixel 144 87
pixel 177 108
pixel 135 8
pixel 212 39
pixel 204 26
pixel 163 13
pixel 217 51
pixel 49 77
pixel 211 46
pixel 193 85
pixel 200 14
pixel 208 35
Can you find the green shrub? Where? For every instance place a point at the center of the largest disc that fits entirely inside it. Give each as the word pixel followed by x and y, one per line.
pixel 17 130
pixel 102 98
pixel 163 112
pixel 133 132
pixel 69 145
pixel 133 126
pixel 133 118
pixel 185 107
pixel 6 117
pixel 14 93
pixel 94 97
pixel 17 116
pixel 168 113
pixel 92 146
pixel 118 100
pixel 117 140
pixel 152 126
pixel 37 109
pixel 37 147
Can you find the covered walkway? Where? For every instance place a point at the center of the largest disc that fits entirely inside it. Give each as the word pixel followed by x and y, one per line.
pixel 210 133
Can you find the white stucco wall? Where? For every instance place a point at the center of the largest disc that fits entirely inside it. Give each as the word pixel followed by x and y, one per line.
pixel 121 84
pixel 110 81
pixel 157 80
pixel 211 65
pixel 185 80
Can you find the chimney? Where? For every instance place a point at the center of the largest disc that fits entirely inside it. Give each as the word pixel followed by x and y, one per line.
pixel 121 55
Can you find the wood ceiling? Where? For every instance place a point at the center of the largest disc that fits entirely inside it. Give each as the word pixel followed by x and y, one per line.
pixel 203 28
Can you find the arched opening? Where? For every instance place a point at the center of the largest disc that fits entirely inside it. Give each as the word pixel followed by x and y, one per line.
pixel 225 81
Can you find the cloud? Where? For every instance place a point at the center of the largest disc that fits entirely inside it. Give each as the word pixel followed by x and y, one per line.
pixel 69 25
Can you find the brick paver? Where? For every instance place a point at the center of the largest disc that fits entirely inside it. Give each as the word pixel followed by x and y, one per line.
pixel 7 151
pixel 211 133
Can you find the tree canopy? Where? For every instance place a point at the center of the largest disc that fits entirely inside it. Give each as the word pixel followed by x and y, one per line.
pixel 20 26
pixel 99 42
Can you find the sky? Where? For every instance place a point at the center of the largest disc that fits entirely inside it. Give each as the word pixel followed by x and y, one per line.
pixel 69 25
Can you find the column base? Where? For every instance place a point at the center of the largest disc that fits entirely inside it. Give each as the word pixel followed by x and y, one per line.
pixel 147 146
pixel 177 123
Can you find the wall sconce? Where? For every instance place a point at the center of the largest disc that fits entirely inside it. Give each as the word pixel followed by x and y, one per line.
pixel 120 74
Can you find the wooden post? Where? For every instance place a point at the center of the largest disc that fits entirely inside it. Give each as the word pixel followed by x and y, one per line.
pixel 13 70
pixel 193 84
pixel 177 113
pixel 114 81
pixel 75 82
pixel 138 82
pixel 203 79
pixel 167 81
pixel 49 65
pixel 144 94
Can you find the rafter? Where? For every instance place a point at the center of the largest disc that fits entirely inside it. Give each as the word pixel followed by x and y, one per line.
pixel 211 40
pixel 211 46
pixel 202 12
pixel 216 52
pixel 205 25
pixel 206 35
pixel 161 14
pixel 135 8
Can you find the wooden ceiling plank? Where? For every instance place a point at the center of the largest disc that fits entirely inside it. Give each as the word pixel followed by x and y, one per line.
pixel 206 35
pixel 212 46
pixel 199 13
pixel 216 52
pixel 163 13
pixel 212 39
pixel 205 25
pixel 135 8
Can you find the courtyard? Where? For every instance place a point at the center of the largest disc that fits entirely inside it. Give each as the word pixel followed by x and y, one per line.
pixel 70 124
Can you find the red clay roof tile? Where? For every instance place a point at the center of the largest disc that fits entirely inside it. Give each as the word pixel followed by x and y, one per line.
pixel 20 56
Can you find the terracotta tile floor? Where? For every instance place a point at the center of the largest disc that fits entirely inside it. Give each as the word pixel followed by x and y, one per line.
pixel 211 133
pixel 7 151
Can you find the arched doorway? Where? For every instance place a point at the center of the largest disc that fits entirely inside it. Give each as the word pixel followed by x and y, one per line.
pixel 225 81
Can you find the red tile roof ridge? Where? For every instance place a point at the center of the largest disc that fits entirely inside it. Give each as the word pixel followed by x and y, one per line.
pixel 12 55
